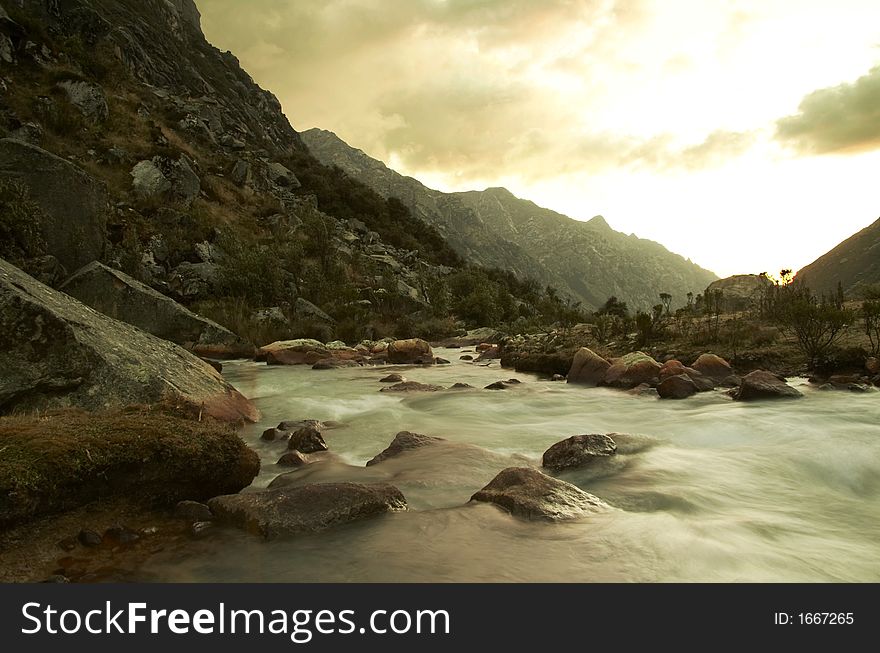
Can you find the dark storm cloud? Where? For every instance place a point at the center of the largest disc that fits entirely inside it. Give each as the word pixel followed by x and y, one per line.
pixel 840 118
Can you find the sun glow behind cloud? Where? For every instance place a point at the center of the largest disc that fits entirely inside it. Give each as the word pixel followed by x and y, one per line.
pixel 661 116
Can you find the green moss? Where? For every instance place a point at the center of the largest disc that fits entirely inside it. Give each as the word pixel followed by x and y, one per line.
pixel 61 460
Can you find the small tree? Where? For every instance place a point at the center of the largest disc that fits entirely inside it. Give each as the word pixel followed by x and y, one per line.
pixel 816 327
pixel 666 300
pixel 871 317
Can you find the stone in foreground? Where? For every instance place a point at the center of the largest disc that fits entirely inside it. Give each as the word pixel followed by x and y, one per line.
pixel 56 352
pixel 311 508
pixel 404 441
pixel 764 385
pixel 526 492
pixel 578 450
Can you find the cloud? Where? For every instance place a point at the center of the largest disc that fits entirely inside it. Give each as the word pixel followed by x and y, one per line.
pixel 468 88
pixel 836 119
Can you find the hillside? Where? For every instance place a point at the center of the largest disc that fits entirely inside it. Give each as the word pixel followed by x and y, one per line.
pixel 854 263
pixel 126 138
pixel 587 260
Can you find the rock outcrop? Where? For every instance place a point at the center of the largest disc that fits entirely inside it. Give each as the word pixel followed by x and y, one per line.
pixel 526 492
pixel 124 298
pixel 56 352
pixel 74 206
pixel 740 292
pixel 288 511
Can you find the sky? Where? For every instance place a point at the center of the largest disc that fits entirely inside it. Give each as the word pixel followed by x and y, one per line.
pixel 742 134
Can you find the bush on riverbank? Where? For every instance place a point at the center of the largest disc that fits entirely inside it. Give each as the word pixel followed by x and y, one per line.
pixel 60 460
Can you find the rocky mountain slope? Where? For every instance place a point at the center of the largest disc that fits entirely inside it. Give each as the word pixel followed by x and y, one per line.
pixel 854 263
pixel 587 260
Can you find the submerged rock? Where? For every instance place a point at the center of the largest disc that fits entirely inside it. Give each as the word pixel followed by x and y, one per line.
pixel 291 510
pixel 412 386
pixel 57 352
pixel 526 492
pixel 404 441
pixel 578 450
pixel 293 459
pixel 393 378
pixel 761 384
pixel 307 440
pixel 588 368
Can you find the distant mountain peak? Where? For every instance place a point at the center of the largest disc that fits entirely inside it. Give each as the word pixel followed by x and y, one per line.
pixel 598 221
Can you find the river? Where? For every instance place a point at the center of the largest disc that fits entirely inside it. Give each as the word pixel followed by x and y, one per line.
pixel 704 489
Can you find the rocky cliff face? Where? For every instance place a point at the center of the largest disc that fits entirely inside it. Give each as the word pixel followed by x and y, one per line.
pixel 741 291
pixel 854 263
pixel 587 260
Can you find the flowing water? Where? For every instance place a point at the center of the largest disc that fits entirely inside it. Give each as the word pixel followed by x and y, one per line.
pixel 705 489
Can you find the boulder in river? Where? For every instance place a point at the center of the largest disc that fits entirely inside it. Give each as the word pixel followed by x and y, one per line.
pixel 631 370
pixel 122 297
pixel 761 384
pixel 293 510
pixel 393 378
pixel 588 368
pixel 578 450
pixel 307 440
pixel 404 441
pixel 302 351
pixel 526 492
pixel 412 386
pixel 410 352
pixel 57 352
pixel 680 386
pixel 193 511
pixel 293 459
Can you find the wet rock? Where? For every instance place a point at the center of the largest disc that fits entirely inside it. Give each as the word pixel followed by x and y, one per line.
pixel 89 538
pixel 303 351
pixel 731 381
pixel 461 386
pixel 334 363
pixel 58 352
pixel 307 440
pixel 201 529
pixel 404 441
pixel 631 370
pixel 643 390
pixel 121 535
pixel 679 386
pixel 193 511
pixel 296 424
pixel 412 386
pixel 713 367
pixel 557 377
pixel 441 361
pixel 392 378
pixel 292 459
pixel 289 511
pixel 273 434
pixel 578 450
pixel 122 297
pixel 587 368
pixel 466 357
pixel 410 352
pixel 74 206
pixel 761 384
pixel 503 385
pixel 526 492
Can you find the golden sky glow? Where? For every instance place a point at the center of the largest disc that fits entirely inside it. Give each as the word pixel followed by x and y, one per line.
pixel 743 134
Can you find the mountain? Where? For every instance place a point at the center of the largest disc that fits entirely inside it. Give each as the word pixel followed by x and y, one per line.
pixel 588 261
pixel 854 263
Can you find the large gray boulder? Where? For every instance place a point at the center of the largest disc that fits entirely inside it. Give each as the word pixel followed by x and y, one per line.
pixel 291 510
pixel 55 351
pixel 74 205
pixel 162 179
pixel 578 450
pixel 122 297
pixel 88 98
pixel 526 492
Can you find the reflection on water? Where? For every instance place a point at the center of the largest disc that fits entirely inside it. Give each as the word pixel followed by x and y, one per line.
pixel 708 489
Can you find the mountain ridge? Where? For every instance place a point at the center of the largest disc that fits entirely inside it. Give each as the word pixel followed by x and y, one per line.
pixel 587 260
pixel 854 262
